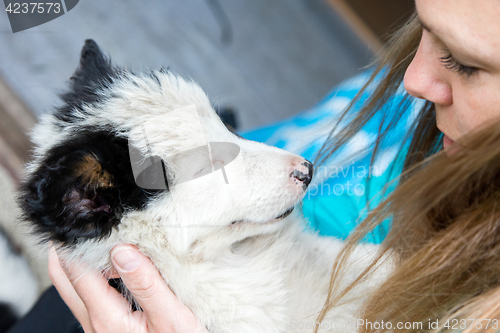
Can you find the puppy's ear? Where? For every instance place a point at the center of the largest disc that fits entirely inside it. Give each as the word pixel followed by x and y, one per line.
pixel 93 77
pixel 94 67
pixel 81 189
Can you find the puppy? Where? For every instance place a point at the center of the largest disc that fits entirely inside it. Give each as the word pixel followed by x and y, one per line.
pixel 145 160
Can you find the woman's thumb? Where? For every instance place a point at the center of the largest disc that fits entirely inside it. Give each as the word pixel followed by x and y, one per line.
pixel 126 258
pixel 164 312
pixel 143 280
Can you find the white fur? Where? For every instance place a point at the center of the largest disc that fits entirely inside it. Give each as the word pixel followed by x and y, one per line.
pixel 259 275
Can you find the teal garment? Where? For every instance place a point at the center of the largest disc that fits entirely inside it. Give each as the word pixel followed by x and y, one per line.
pixel 339 214
pixel 337 197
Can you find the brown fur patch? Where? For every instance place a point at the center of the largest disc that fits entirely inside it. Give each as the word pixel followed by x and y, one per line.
pixel 91 172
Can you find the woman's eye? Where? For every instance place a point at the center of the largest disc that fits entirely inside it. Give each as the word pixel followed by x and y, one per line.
pixel 450 63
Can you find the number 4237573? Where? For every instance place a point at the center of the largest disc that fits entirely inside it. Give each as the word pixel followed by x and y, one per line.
pixel 33 7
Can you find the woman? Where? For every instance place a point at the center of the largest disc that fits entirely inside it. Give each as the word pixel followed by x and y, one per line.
pixel 444 212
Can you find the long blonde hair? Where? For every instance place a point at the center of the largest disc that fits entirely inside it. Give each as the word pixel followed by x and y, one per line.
pixel 445 216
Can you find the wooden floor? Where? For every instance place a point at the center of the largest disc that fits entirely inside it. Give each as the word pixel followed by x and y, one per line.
pixel 283 57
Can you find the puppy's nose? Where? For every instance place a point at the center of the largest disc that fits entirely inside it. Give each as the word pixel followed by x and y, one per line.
pixel 303 173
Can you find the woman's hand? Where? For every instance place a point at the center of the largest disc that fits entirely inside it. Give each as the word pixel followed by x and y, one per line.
pixel 100 308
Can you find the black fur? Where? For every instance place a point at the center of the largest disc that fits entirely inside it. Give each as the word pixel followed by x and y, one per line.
pixel 94 75
pixel 122 289
pixel 64 205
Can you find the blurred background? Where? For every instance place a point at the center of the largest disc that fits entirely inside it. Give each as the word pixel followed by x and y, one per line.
pixel 265 59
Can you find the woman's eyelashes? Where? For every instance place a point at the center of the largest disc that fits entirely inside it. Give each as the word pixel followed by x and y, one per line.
pixel 451 63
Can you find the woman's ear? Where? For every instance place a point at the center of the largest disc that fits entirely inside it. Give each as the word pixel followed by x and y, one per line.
pixel 81 188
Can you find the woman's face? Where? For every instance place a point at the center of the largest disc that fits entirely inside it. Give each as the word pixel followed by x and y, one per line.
pixel 457 65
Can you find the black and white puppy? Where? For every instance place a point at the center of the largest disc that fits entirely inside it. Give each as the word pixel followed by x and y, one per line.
pixel 145 160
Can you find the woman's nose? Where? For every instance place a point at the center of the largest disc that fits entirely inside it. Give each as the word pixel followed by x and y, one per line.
pixel 425 77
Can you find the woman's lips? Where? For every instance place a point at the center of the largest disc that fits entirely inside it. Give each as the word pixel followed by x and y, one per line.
pixel 447 141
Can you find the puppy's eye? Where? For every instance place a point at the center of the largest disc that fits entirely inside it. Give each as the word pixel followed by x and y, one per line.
pixel 203 171
pixel 218 164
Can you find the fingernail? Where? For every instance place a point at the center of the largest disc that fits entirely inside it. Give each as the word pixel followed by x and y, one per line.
pixel 125 259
